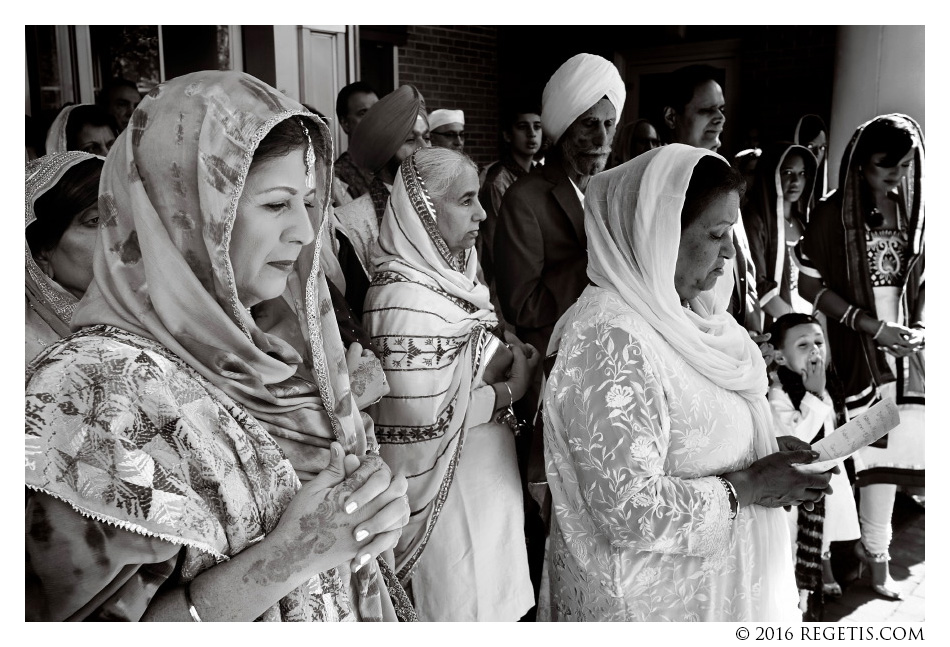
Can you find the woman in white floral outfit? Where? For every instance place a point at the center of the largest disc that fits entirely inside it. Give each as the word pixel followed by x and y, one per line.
pixel 666 479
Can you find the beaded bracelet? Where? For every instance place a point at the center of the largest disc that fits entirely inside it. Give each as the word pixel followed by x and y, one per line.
pixel 191 605
pixel 730 494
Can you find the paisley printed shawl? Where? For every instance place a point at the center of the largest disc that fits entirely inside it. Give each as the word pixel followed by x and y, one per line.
pixel 430 318
pixel 168 200
pixel 48 306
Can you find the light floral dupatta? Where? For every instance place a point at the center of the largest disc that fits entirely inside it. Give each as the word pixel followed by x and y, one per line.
pixel 48 306
pixel 430 318
pixel 168 201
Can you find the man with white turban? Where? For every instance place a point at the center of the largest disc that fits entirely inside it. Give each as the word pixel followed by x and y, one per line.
pixel 447 128
pixel 540 243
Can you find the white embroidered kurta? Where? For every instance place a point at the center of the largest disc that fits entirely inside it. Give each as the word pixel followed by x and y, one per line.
pixel 640 526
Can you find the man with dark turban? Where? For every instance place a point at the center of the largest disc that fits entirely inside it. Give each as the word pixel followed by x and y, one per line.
pixel 540 249
pixel 389 132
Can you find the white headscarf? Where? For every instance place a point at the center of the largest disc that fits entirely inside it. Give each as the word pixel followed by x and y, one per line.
pixel 576 86
pixel 632 218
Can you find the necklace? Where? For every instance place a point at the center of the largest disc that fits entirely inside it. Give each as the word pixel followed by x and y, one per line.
pixel 876 218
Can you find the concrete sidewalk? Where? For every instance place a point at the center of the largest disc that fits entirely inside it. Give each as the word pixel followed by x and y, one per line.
pixel 860 604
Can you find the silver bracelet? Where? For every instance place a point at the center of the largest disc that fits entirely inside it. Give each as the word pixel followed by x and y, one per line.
pixel 511 399
pixel 191 605
pixel 818 296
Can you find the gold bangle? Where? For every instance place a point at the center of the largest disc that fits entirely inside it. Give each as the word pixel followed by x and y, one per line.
pixel 879 329
pixel 844 318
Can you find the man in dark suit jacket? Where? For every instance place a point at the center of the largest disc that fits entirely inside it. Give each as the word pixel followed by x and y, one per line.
pixel 540 251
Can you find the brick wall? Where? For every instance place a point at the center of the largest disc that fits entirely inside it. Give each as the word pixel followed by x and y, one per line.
pixel 457 68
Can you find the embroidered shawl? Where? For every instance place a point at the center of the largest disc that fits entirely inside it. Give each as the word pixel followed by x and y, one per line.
pixel 430 318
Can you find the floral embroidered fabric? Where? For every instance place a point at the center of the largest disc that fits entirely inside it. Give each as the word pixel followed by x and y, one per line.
pixel 634 437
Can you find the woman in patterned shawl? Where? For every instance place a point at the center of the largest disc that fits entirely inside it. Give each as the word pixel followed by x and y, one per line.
pixel 463 550
pixel 665 475
pixel 862 260
pixel 166 440
pixel 62 217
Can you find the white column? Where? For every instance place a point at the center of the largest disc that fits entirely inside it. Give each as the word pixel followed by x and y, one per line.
pixel 878 69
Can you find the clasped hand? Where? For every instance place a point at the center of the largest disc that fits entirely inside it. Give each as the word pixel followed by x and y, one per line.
pixel 524 363
pixel 900 341
pixel 351 512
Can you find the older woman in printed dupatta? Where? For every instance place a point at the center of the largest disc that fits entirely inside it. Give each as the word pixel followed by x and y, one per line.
pixel 463 550
pixel 654 417
pixel 774 225
pixel 49 306
pixel 172 461
pixel 862 260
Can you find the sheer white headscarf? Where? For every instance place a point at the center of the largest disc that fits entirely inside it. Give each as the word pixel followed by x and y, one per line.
pixel 632 218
